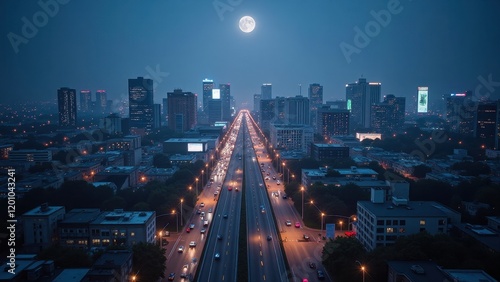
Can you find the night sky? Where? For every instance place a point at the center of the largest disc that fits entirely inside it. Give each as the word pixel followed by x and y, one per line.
pixel 443 44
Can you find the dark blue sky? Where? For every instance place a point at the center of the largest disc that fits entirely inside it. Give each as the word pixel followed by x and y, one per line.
pixel 443 44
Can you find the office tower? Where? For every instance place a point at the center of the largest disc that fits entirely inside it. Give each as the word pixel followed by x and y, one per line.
pixel 460 113
pixel 215 107
pixel 156 115
pixel 332 122
pixel 101 101
pixel 111 124
pixel 266 91
pixel 315 101
pixel 360 96
pixel 165 110
pixel 487 128
pixel 181 110
pixel 388 116
pixel 267 113
pixel 225 97
pixel 256 102
pixel 208 85
pixel 140 92
pixel 279 109
pixel 297 110
pixel 66 100
pixel 85 101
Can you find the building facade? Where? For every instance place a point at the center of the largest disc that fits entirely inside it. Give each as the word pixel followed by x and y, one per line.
pixel 291 137
pixel 360 96
pixel 66 101
pixel 141 105
pixel 181 110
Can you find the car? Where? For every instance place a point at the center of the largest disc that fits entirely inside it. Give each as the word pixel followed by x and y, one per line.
pixel 236 189
pixel 312 265
pixel 210 210
pixel 306 237
pixel 198 211
pixel 285 196
pixel 217 256
pixel 224 216
pixel 288 223
pixel 219 237
pixel 202 205
pixel 229 188
pixel 191 225
pixel 278 182
pixel 269 238
pixel 203 230
pixel 184 275
pixel 171 276
pixel 202 214
pixel 274 177
pixel 192 244
pixel 320 274
pixel 216 193
pixel 184 267
pixel 297 224
pixel 180 249
pixel 260 184
pixel 188 230
pixel 205 223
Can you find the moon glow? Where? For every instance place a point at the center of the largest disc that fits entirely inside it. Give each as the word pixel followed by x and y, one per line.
pixel 247 24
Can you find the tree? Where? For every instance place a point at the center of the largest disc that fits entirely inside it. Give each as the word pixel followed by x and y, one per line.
pixel 339 256
pixel 421 171
pixel 149 261
pixel 161 160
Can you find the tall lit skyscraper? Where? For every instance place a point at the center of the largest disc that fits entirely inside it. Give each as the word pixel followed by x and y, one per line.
pixel 208 85
pixel 315 101
pixel 388 116
pixel 331 122
pixel 459 116
pixel 225 96
pixel 267 113
pixel 141 114
pixel 66 100
pixel 266 91
pixel 360 96
pixel 181 110
pixel 100 101
pixel 85 101
pixel 215 107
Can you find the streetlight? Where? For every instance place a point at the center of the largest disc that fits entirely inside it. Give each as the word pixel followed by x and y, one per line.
pixel 322 216
pixel 182 200
pixel 363 269
pixel 202 176
pixel 302 190
pixel 177 215
pixel 196 190
pixel 340 222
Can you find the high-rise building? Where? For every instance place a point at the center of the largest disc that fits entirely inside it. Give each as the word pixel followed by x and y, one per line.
pixel 85 101
pixel 297 110
pixel 181 110
pixel 208 85
pixel 156 115
pixel 111 124
pixel 487 128
pixel 267 113
pixel 225 97
pixel 101 101
pixel 388 116
pixel 140 92
pixel 338 104
pixel 360 96
pixel 279 110
pixel 66 100
pixel 332 122
pixel 215 107
pixel 266 91
pixel 256 102
pixel 291 137
pixel 459 114
pixel 315 101
pixel 165 110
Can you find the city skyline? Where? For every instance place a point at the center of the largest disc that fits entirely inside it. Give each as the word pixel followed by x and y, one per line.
pixel 400 50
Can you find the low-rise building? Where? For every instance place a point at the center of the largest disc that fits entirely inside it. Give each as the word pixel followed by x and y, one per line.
pixel 328 151
pixel 40 226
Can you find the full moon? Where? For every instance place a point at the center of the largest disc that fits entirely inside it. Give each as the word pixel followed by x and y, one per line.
pixel 247 24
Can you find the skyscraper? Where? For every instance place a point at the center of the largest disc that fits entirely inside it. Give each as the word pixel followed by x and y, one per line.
pixel 85 101
pixel 140 91
pixel 388 116
pixel 266 91
pixel 267 113
pixel 315 101
pixel 459 116
pixel 66 100
pixel 225 96
pixel 165 110
pixel 215 107
pixel 208 85
pixel 487 128
pixel 101 101
pixel 360 96
pixel 256 102
pixel 332 122
pixel 297 110
pixel 181 110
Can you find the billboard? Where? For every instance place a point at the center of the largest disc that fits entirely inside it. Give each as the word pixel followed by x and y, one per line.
pixel 349 104
pixel 195 147
pixel 423 99
pixel 216 94
pixel 330 230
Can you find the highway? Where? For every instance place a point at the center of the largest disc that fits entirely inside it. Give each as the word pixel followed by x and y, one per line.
pixel 265 258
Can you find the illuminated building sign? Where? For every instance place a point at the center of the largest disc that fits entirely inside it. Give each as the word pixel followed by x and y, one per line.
pixel 195 147
pixel 423 99
pixel 216 94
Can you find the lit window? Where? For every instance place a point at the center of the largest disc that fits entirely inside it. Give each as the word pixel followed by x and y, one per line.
pixel 390 230
pixel 422 222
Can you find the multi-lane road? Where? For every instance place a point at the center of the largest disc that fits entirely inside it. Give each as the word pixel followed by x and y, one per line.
pixel 245 167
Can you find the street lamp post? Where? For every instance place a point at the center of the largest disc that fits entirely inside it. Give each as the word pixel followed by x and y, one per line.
pixel 202 176
pixel 302 190
pixel 363 269
pixel 177 216
pixel 340 222
pixel 182 200
pixel 196 190
pixel 322 216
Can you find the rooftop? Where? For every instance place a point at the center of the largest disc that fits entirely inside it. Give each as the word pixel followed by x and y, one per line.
pixel 43 210
pixel 81 215
pixel 418 271
pixel 71 274
pixel 124 217
pixel 413 209
pixel 184 140
pixel 322 145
